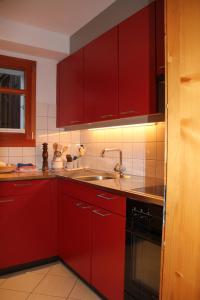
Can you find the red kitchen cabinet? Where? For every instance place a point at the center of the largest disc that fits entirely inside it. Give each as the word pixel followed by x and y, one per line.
pixel 108 251
pixel 160 38
pixel 137 63
pixel 70 101
pixel 28 222
pixel 75 235
pixel 101 77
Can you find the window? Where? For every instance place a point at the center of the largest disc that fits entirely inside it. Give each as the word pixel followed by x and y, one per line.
pixel 17 101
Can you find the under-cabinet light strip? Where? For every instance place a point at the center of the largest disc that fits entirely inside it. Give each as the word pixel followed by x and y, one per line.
pixel 123 126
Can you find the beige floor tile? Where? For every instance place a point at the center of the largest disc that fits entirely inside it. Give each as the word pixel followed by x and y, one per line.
pixel 54 285
pixel 12 295
pixel 60 270
pixel 2 280
pixel 22 282
pixel 43 297
pixel 40 269
pixel 82 292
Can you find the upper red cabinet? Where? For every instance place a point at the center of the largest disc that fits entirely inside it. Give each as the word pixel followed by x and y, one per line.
pixel 160 37
pixel 114 76
pixel 101 75
pixel 137 63
pixel 70 101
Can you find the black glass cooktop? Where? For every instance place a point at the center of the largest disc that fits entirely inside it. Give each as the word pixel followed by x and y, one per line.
pixel 157 190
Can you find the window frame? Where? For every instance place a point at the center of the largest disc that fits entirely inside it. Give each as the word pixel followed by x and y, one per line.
pixel 26 139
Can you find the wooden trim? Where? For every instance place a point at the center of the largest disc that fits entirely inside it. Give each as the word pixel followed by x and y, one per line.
pixel 12 91
pixel 26 139
pixel 181 265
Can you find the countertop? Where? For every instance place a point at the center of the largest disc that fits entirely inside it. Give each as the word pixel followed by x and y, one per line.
pixel 122 186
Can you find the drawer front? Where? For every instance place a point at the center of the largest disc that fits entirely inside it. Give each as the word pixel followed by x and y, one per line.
pixel 96 197
pixel 21 187
pixel 108 201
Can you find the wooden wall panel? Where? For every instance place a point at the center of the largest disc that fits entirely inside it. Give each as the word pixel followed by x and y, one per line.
pixel 181 269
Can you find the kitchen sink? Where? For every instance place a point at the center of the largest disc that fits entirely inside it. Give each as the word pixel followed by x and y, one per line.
pixel 95 177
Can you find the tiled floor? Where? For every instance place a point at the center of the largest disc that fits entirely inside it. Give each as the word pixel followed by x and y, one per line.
pixel 49 282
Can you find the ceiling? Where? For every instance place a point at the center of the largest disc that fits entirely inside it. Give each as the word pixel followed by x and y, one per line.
pixel 63 16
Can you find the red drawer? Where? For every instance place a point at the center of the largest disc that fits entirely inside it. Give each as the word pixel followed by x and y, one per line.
pixel 94 196
pixel 21 187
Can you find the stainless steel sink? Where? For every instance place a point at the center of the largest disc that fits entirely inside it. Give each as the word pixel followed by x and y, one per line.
pixel 94 177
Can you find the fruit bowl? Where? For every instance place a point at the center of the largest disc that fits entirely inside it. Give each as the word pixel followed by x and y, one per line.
pixel 7 169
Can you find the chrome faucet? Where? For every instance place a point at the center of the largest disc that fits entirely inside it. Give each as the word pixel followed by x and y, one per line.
pixel 118 167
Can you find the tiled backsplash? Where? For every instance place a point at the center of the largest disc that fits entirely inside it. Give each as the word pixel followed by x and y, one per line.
pixel 46 131
pixel 142 148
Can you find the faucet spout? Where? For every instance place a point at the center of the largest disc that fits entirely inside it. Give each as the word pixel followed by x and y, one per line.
pixel 118 167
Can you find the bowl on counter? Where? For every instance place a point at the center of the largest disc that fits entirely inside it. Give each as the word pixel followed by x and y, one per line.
pixel 7 169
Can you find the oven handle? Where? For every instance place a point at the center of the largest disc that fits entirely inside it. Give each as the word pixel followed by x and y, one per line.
pixel 145 236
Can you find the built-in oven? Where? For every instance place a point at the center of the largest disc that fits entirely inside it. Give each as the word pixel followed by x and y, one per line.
pixel 143 250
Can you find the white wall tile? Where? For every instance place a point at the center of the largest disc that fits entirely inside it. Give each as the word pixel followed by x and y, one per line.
pixel 41 109
pixel 52 110
pixel 3 151
pixel 5 159
pixel 15 151
pixel 28 159
pixel 160 132
pixel 28 151
pixel 51 123
pixel 41 123
pixel 15 159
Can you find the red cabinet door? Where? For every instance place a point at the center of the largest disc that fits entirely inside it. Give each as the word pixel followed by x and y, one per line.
pixel 75 235
pixel 108 250
pixel 101 77
pixel 137 63
pixel 160 42
pixel 28 225
pixel 70 102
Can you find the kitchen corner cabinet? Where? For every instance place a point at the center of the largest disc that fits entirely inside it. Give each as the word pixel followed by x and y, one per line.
pixel 28 221
pixel 101 77
pixel 92 236
pixel 70 101
pixel 137 63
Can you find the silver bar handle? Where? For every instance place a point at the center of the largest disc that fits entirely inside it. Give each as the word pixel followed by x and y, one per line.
pixel 127 112
pixel 22 184
pixel 82 205
pixel 6 201
pixel 100 214
pixel 107 116
pixel 105 197
pixel 75 121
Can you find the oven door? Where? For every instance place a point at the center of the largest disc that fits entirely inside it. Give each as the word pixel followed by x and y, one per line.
pixel 142 275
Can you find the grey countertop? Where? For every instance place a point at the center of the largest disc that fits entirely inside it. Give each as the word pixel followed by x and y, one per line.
pixel 122 186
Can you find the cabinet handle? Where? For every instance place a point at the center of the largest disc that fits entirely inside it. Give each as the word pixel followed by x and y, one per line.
pixel 105 197
pixel 127 112
pixel 7 200
pixel 22 184
pixel 82 205
pixel 161 67
pixel 74 122
pixel 107 116
pixel 101 214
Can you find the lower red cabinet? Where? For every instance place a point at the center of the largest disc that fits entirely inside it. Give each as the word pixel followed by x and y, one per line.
pixel 108 238
pixel 75 235
pixel 92 240
pixel 28 222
